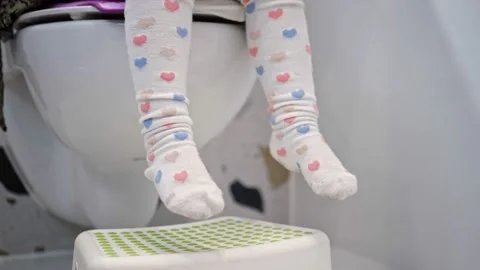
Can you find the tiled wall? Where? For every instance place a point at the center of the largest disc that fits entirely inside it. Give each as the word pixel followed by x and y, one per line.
pixel 254 186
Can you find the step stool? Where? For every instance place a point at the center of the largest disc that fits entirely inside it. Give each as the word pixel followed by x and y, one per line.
pixel 227 243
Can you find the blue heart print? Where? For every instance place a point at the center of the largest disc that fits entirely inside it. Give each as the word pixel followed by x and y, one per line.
pixel 250 8
pixel 180 135
pixel 147 122
pixel 140 62
pixel 299 93
pixel 273 120
pixel 178 97
pixel 290 33
pixel 260 70
pixel 158 177
pixel 182 31
pixel 303 129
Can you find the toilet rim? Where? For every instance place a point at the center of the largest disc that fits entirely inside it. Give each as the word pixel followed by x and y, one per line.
pixel 227 12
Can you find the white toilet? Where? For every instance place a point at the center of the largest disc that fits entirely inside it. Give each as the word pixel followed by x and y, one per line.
pixel 73 133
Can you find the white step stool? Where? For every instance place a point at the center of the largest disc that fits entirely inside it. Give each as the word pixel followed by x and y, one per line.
pixel 227 243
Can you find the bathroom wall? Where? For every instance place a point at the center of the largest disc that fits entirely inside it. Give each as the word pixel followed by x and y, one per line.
pixel 253 184
pixel 398 86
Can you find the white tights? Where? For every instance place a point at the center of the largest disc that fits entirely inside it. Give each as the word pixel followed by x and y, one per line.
pixel 158 41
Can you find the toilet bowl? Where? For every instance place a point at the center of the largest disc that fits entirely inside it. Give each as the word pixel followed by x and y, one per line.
pixel 73 132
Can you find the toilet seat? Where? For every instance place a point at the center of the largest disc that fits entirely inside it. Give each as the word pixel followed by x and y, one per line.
pixel 229 11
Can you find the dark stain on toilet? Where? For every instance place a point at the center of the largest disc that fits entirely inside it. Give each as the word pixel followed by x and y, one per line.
pixel 8 176
pixel 246 196
pixel 11 201
pixel 39 249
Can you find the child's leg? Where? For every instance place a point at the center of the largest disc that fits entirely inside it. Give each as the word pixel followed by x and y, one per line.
pixel 158 41
pixel 279 44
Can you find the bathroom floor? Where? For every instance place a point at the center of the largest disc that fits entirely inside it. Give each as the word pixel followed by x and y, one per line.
pixel 56 260
pixel 62 260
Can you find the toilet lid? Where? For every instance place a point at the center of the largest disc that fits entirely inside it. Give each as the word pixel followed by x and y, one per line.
pixel 228 10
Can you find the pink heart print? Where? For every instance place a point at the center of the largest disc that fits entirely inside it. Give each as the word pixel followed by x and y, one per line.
pixel 254 51
pixel 145 107
pixel 171 5
pixel 275 14
pixel 167 76
pixel 181 176
pixel 314 166
pixel 271 108
pixel 283 78
pixel 289 120
pixel 139 40
pixel 282 152
pixel 151 157
pixel 308 48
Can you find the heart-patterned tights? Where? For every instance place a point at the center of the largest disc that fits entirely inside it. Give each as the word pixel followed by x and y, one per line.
pixel 158 42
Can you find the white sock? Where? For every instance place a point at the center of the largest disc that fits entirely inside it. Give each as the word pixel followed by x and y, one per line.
pixel 158 41
pixel 279 45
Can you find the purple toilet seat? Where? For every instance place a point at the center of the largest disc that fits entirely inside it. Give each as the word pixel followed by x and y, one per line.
pixel 113 6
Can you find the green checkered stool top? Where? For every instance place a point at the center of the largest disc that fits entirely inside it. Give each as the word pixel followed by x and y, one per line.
pixel 169 245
